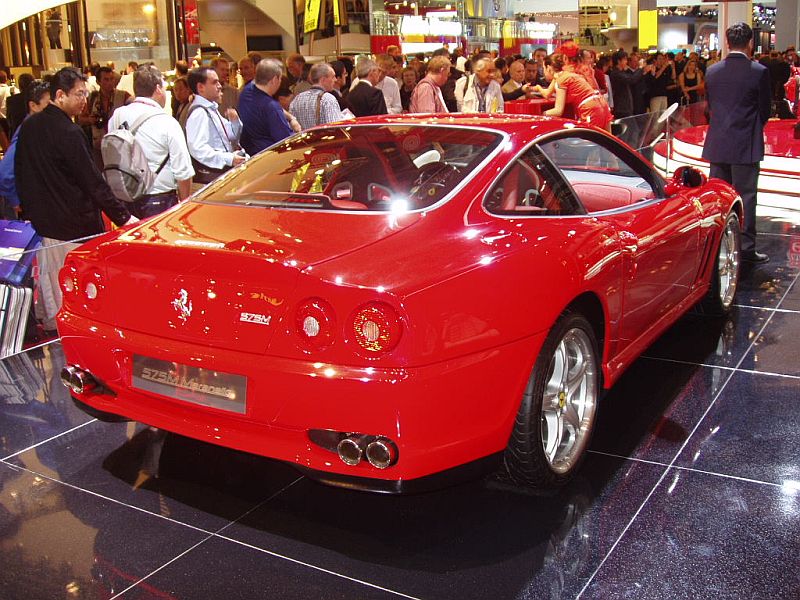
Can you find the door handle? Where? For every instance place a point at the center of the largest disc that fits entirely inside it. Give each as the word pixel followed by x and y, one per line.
pixel 629 242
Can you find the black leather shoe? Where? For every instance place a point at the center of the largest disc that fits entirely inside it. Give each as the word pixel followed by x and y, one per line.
pixel 755 257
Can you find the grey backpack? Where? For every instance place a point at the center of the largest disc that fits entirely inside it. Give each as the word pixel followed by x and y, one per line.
pixel 125 166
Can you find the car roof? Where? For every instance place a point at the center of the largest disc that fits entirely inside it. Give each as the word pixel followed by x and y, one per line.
pixel 508 123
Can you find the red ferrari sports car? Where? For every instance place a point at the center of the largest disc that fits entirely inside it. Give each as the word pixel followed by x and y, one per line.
pixel 395 302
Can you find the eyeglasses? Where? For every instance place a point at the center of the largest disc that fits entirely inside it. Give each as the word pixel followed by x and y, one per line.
pixel 79 94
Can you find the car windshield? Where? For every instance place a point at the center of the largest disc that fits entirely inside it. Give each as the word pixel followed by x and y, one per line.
pixel 358 168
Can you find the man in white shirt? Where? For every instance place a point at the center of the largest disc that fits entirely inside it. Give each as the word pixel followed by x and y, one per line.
pixel 388 84
pixel 480 93
pixel 125 82
pixel 5 92
pixel 212 138
pixel 161 139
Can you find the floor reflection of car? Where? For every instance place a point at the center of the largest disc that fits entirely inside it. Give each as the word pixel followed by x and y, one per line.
pixel 394 303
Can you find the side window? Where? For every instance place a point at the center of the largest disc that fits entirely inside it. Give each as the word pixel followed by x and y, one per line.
pixel 531 187
pixel 603 176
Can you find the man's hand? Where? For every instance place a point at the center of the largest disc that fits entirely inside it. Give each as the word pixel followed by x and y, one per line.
pixel 238 159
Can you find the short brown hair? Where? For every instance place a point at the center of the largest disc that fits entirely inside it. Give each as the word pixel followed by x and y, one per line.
pixel 145 81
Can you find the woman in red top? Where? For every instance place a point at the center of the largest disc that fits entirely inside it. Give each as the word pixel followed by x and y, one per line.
pixel 571 88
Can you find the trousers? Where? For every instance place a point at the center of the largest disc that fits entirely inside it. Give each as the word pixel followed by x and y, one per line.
pixel 744 179
pixel 153 204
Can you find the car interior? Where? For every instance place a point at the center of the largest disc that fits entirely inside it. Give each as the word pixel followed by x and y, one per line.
pixel 364 168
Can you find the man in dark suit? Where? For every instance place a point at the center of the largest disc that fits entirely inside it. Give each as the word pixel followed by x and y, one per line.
pixel 739 103
pixel 364 97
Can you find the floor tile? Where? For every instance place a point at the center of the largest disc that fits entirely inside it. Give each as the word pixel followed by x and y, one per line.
pixel 751 431
pixel 792 299
pixel 653 408
pixel 769 353
pixel 58 542
pixel 764 285
pixel 711 340
pixel 471 541
pixel 34 405
pixel 223 569
pixel 706 537
pixel 193 482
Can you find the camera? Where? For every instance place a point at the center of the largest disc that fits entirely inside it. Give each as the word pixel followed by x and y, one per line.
pixel 101 122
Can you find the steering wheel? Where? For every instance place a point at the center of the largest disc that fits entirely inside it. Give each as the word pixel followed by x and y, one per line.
pixel 431 182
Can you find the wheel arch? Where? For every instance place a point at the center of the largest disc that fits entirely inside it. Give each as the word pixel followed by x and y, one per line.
pixel 590 306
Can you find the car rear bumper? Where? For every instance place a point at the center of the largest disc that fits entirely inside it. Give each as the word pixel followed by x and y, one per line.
pixel 440 416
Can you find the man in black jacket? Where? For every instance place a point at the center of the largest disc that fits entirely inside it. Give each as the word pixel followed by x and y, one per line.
pixel 365 98
pixel 61 191
pixel 739 103
pixel 16 105
pixel 622 82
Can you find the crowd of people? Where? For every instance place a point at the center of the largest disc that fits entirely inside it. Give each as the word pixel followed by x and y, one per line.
pixel 209 119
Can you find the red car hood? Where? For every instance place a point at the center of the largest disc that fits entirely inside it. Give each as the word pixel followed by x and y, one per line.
pixel 221 275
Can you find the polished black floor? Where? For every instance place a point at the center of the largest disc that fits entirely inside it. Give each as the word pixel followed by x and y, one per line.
pixel 691 490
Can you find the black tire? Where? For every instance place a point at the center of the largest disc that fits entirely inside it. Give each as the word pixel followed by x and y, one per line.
pixel 725 272
pixel 533 457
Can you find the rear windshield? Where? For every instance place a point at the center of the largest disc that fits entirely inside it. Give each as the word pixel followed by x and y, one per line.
pixel 358 168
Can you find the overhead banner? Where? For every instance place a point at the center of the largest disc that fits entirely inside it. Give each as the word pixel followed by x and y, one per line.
pixel 339 13
pixel 311 19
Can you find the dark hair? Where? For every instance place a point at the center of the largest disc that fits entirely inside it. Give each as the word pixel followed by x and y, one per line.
pixel 603 61
pixel 556 60
pixel 499 63
pixel 738 36
pixel 338 67
pixel 133 64
pixel 198 76
pixel 64 80
pixel 284 89
pixel 35 90
pixel 618 56
pixel 24 81
pixel 101 70
pixel 183 81
pixel 145 81
pixel 181 67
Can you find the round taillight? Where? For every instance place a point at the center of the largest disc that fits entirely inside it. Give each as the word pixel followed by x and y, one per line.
pixel 91 291
pixel 67 277
pixel 376 327
pixel 315 323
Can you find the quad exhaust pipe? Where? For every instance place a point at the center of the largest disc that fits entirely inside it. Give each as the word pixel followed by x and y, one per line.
pixel 77 380
pixel 380 452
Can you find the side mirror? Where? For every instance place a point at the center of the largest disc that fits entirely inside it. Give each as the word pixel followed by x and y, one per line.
pixel 689 177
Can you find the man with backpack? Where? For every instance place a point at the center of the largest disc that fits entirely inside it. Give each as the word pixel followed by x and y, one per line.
pixel 61 190
pixel 161 141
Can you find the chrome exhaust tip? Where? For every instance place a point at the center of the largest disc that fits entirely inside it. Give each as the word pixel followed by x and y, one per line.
pixel 66 376
pixel 77 380
pixel 351 449
pixel 381 453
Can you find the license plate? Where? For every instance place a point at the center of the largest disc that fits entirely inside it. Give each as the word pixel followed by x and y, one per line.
pixel 206 387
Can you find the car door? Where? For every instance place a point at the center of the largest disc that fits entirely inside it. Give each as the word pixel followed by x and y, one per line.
pixel 658 235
